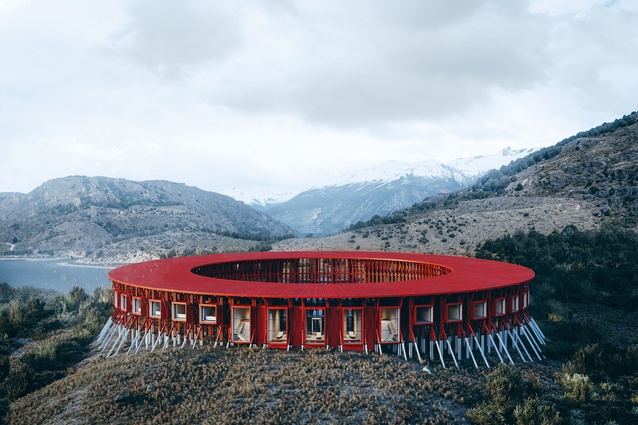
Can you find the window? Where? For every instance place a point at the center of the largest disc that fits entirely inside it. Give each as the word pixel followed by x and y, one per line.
pixel 454 313
pixel 155 309
pixel 424 315
pixel 499 306
pixel 241 324
pixel 525 300
pixel 287 272
pixel 480 309
pixel 514 303
pixel 389 324
pixel 277 325
pixel 352 325
pixel 208 313
pixel 123 302
pixel 179 311
pixel 315 325
pixel 137 306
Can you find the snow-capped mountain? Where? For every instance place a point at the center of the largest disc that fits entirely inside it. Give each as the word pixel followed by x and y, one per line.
pixel 259 201
pixel 478 165
pixel 394 170
pixel 381 190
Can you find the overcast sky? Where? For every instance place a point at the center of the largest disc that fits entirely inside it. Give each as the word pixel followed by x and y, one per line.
pixel 275 95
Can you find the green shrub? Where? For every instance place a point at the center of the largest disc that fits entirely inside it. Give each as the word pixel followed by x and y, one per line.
pixel 18 381
pixel 577 387
pixel 487 413
pixel 532 412
pixel 587 360
pixel 505 386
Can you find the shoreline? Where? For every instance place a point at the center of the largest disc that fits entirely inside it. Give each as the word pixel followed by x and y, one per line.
pixel 62 261
pixel 23 258
pixel 88 266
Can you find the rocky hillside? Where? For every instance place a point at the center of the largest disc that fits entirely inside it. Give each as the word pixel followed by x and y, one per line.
pixel 598 166
pixel 586 180
pixel 87 215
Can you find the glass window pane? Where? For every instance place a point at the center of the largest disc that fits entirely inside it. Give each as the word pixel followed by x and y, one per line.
pixel 389 325
pixel 241 324
pixel 315 326
pixel 424 314
pixel 277 325
pixel 352 325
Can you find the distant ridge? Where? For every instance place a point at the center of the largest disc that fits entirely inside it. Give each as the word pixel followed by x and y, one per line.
pixel 81 215
pixel 381 190
pixel 587 181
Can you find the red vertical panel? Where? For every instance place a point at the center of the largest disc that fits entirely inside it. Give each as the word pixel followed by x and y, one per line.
pixel 144 306
pixel 411 319
pixel 294 325
pixel 165 309
pixel 223 312
pixel 260 323
pixel 333 325
pixel 191 311
pixel 371 323
pixel 129 301
pixel 352 266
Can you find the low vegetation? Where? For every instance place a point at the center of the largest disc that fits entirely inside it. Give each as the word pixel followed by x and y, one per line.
pixel 253 385
pixel 510 398
pixel 43 335
pixel 584 297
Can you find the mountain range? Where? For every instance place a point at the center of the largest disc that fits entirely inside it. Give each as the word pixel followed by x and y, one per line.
pixel 83 215
pixel 588 180
pixel 381 190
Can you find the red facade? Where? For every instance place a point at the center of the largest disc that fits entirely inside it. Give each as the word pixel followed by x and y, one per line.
pixel 384 302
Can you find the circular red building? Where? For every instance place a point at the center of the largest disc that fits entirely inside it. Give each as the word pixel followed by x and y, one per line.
pixel 398 302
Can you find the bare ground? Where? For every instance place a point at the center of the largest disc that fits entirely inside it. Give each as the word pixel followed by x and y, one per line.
pixel 459 229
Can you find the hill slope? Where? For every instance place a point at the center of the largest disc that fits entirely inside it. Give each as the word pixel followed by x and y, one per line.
pixel 599 166
pixel 586 180
pixel 83 214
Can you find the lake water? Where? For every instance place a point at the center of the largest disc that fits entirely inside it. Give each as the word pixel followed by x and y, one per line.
pixel 57 274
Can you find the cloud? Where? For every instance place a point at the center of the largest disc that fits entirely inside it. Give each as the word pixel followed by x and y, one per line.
pixel 8 6
pixel 283 93
pixel 171 38
pixel 365 63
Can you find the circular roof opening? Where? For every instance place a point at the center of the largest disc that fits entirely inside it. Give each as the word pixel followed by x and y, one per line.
pixel 322 270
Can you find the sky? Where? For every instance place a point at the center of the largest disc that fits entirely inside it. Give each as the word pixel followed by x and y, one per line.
pixel 279 96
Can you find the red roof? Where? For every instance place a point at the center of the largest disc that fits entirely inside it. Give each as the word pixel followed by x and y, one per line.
pixel 467 275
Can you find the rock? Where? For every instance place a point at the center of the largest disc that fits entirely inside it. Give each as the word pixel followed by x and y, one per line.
pixel 123 397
